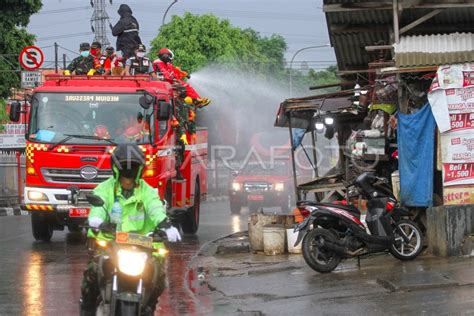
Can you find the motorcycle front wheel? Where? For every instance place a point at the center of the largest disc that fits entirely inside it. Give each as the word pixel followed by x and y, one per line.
pixel 402 249
pixel 316 255
pixel 125 308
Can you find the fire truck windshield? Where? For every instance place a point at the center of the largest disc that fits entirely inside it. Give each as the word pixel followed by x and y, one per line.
pixel 89 118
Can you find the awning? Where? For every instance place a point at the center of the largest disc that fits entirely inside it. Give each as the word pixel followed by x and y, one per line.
pixel 438 49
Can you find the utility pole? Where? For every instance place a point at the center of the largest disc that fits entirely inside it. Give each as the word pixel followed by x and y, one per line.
pixel 55 57
pixel 99 20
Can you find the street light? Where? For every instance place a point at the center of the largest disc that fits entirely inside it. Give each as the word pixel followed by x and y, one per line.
pixel 293 58
pixel 166 12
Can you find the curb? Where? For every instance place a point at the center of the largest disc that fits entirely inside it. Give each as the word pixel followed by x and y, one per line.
pixel 10 211
pixel 204 247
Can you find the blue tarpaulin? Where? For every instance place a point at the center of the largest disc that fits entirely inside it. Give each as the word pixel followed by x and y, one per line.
pixel 298 135
pixel 416 156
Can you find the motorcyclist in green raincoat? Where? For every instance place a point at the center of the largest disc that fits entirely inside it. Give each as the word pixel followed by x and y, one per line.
pixel 134 206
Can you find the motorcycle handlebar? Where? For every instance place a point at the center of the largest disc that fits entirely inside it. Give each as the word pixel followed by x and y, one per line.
pixel 158 236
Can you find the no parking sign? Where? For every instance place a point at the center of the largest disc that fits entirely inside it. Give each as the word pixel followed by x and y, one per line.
pixel 31 58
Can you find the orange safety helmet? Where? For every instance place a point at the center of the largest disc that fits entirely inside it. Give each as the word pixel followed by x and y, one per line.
pixel 101 131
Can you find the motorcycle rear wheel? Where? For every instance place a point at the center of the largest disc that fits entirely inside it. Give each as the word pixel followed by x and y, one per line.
pixel 318 258
pixel 403 250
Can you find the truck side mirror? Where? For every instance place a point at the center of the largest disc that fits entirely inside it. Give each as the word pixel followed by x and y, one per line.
pixel 164 112
pixel 145 102
pixel 15 110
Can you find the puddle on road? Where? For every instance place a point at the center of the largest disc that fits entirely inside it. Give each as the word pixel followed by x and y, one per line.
pixel 51 276
pixel 186 292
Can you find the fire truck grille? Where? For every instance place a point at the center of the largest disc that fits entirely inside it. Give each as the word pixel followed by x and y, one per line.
pixel 73 176
pixel 255 187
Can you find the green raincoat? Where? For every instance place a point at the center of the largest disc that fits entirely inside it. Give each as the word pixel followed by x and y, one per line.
pixel 141 212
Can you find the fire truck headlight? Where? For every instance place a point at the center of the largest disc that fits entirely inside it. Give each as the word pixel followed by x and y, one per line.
pixel 279 186
pixel 37 196
pixel 236 186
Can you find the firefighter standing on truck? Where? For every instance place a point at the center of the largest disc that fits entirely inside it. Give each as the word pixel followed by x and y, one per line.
pixel 82 65
pixel 105 61
pixel 139 64
pixel 96 52
pixel 163 65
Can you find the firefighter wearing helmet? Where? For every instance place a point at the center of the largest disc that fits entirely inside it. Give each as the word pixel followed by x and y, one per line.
pixel 164 67
pixel 140 211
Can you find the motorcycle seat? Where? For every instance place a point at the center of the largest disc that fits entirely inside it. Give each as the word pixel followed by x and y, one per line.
pixel 350 208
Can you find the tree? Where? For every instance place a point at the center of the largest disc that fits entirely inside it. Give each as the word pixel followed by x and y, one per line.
pixel 200 40
pixel 14 17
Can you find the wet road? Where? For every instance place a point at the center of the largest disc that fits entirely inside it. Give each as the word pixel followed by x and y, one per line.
pixel 44 278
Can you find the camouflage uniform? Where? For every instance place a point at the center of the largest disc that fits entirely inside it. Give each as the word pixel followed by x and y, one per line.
pixel 81 65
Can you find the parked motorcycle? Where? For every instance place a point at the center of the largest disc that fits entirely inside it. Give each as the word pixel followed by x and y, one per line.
pixel 332 232
pixel 129 268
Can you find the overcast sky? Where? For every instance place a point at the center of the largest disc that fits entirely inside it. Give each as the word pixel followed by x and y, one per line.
pixel 302 23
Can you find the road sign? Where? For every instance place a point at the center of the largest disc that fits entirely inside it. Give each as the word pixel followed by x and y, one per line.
pixel 30 79
pixel 31 57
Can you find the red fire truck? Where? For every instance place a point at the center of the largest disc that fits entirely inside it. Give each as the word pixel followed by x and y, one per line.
pixel 74 124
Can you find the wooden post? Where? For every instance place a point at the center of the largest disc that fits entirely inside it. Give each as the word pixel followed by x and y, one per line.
pixel 295 182
pixel 395 22
pixel 315 155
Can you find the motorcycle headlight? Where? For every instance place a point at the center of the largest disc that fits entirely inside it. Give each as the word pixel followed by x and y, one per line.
pixel 280 186
pixel 131 262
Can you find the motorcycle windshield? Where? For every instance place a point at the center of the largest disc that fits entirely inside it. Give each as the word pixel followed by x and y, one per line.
pixel 92 118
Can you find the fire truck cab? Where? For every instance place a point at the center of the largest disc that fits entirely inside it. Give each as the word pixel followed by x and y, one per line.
pixel 74 124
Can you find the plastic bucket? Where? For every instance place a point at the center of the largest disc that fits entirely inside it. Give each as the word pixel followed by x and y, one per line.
pixel 274 240
pixel 256 224
pixel 291 238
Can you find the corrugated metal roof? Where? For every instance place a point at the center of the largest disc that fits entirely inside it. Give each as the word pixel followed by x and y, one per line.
pixel 350 48
pixel 348 37
pixel 426 50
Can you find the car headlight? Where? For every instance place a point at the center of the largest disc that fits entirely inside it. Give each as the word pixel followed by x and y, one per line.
pixel 280 186
pixel 236 186
pixel 131 262
pixel 37 196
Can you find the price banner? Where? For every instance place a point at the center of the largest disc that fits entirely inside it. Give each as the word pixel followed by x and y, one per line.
pixel 461 121
pixel 458 173
pixel 458 147
pixel 459 195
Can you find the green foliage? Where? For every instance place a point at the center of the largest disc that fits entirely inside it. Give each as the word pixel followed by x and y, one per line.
pixel 201 40
pixel 323 77
pixel 14 16
pixel 3 114
pixel 198 41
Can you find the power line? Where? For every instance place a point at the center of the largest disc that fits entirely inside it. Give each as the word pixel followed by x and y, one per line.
pixel 47 38
pixel 63 10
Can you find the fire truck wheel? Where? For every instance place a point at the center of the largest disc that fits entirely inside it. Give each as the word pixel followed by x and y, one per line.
pixel 42 230
pixel 191 224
